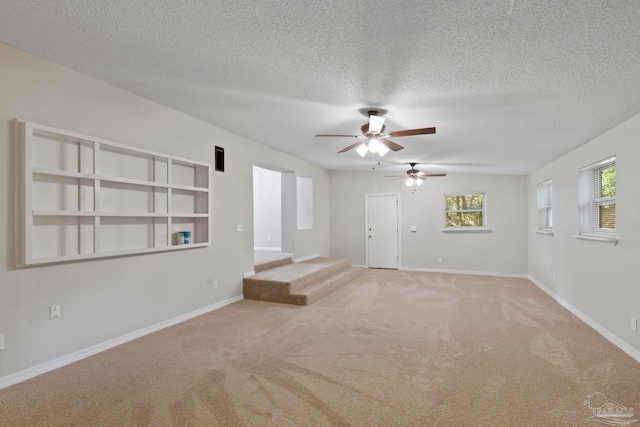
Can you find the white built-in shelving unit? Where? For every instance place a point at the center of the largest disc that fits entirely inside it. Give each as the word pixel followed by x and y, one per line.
pixel 84 197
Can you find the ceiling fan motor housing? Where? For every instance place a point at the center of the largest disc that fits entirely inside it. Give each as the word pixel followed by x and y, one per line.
pixel 365 130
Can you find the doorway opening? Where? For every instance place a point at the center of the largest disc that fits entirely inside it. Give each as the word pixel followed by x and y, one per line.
pixel 273 210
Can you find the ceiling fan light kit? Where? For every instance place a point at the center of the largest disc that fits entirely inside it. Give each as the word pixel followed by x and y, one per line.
pixel 374 146
pixel 413 180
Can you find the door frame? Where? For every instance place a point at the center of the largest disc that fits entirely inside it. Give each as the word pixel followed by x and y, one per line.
pixel 366 225
pixel 287 207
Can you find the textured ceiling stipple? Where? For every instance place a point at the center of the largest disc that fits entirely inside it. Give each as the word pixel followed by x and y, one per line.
pixel 509 84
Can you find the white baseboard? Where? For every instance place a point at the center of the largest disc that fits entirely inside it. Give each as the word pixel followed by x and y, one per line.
pixel 477 273
pixel 249 274
pixel 306 258
pixel 90 351
pixel 621 344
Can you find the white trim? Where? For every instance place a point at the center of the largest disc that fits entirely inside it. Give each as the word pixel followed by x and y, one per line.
pixel 467 230
pixel 547 232
pixel 602 162
pixel 615 340
pixel 249 274
pixel 270 249
pixel 306 258
pixel 608 240
pixel 98 348
pixel 476 273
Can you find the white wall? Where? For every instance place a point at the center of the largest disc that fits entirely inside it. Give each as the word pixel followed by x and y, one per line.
pixel 105 299
pixel 503 250
pixel 267 208
pixel 598 280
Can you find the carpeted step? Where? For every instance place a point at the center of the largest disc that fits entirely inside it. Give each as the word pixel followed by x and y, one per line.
pixel 319 290
pixel 271 264
pixel 280 284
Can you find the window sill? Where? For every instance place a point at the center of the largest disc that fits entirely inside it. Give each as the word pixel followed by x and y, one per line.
pixel 545 232
pixel 466 230
pixel 607 240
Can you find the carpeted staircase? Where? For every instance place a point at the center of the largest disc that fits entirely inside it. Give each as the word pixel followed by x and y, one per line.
pixel 302 283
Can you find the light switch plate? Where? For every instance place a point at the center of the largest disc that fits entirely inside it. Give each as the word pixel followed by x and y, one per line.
pixel 54 311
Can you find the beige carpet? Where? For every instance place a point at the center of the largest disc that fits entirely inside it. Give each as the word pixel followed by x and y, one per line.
pixel 388 349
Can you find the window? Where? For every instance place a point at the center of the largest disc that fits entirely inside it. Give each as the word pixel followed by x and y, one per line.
pixel 598 199
pixel 305 203
pixel 465 211
pixel 545 206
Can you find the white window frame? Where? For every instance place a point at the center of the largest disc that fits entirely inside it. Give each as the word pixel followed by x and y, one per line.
pixel 545 207
pixel 591 199
pixel 305 202
pixel 483 227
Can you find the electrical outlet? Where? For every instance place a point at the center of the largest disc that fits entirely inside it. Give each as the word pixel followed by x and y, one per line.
pixel 215 284
pixel 54 311
pixel 634 324
pixel 439 260
pixel 238 227
pixel 1 341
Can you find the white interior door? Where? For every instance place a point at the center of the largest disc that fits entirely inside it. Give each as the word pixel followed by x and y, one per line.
pixel 382 231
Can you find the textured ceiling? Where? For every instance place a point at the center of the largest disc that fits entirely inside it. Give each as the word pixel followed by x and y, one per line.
pixel 509 84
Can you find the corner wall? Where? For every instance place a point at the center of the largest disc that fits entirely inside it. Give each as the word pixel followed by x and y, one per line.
pixel 597 281
pixel 102 300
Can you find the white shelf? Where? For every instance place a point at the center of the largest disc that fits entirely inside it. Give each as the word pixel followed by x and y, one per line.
pixel 51 260
pixel 117 214
pixel 84 197
pixel 53 172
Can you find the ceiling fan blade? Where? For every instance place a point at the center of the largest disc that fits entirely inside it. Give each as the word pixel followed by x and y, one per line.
pixel 395 178
pixel 425 175
pixel 411 132
pixel 341 136
pixel 391 145
pixel 375 124
pixel 352 146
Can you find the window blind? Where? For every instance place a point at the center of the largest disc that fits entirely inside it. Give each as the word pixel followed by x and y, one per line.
pixel 597 196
